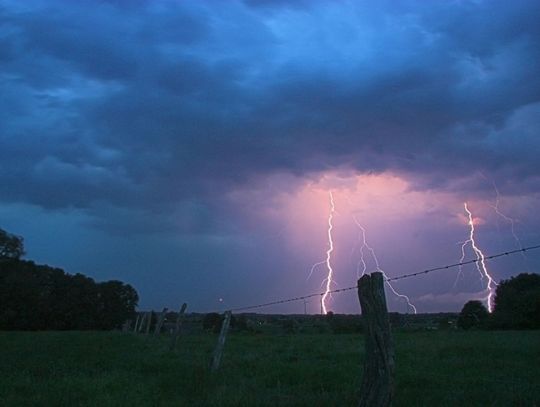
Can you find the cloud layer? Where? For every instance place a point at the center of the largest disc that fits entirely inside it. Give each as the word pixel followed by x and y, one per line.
pixel 155 117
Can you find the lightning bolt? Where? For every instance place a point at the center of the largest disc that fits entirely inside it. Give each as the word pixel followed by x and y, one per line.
pixel 510 220
pixel 461 259
pixel 327 282
pixel 505 217
pixel 481 259
pixel 362 262
pixel 329 255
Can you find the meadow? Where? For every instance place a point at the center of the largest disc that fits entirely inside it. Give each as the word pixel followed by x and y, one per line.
pixel 437 368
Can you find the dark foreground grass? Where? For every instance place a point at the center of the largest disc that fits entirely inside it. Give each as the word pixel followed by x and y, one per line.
pixel 114 369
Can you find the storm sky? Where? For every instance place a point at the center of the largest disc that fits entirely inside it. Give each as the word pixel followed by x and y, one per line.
pixel 189 147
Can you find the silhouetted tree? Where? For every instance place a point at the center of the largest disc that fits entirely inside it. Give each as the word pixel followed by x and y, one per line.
pixel 37 297
pixel 473 315
pixel 116 303
pixel 11 246
pixel 517 302
pixel 28 295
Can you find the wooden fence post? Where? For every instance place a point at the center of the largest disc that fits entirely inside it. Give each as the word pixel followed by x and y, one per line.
pixel 149 323
pixel 218 351
pixel 137 322
pixel 142 321
pixel 160 321
pixel 176 332
pixel 377 388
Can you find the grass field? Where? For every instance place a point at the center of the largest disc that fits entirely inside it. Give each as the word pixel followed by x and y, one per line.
pixel 112 369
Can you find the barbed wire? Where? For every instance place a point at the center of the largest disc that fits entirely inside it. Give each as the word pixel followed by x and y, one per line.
pixel 418 273
pixel 303 297
pixel 464 263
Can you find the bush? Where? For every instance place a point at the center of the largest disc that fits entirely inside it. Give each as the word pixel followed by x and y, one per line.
pixel 473 315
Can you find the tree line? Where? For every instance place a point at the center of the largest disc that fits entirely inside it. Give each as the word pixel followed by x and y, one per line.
pixel 517 306
pixel 39 297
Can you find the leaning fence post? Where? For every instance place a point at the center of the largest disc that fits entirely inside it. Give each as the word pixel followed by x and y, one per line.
pixel 216 359
pixel 137 322
pixel 142 321
pixel 160 321
pixel 149 323
pixel 377 388
pixel 177 326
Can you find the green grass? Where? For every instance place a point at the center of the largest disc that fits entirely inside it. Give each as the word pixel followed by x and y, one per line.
pixel 114 369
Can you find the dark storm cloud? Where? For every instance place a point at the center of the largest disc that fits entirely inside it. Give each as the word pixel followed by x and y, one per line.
pixel 158 106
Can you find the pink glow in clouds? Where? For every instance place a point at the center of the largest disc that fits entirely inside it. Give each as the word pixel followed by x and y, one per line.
pixel 410 229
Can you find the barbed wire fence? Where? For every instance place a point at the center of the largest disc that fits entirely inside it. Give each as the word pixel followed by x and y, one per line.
pixel 377 386
pixel 401 277
pixel 382 279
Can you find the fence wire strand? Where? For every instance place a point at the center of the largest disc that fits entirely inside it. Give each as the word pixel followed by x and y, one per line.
pixel 403 276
